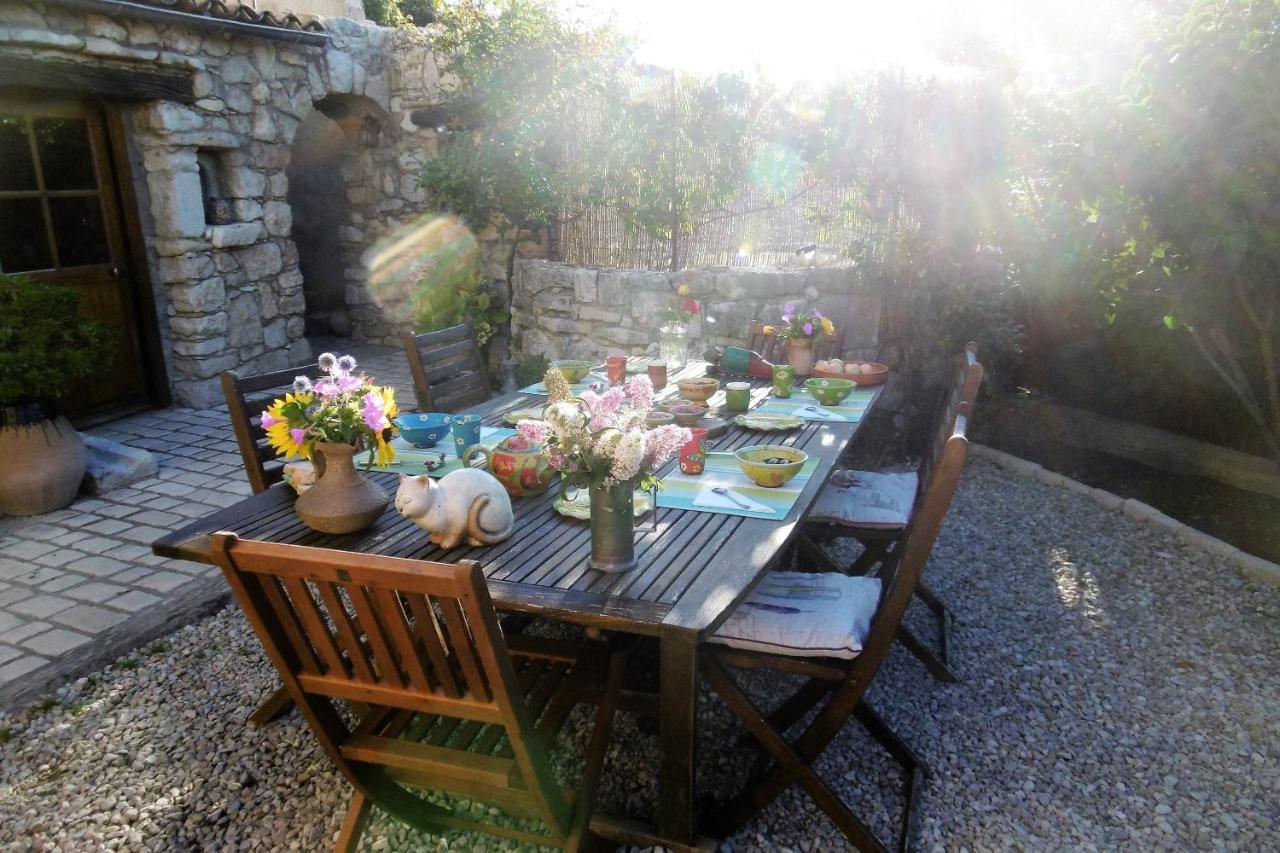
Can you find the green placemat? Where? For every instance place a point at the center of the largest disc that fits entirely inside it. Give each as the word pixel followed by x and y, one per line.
pixel 414 460
pixel 851 409
pixel 684 491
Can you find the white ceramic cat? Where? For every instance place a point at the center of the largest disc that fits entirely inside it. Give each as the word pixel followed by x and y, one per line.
pixel 468 504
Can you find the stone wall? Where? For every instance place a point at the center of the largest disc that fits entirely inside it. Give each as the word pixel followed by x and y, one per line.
pixel 231 296
pixel 562 311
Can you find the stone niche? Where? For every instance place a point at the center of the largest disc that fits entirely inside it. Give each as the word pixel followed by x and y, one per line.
pixel 564 311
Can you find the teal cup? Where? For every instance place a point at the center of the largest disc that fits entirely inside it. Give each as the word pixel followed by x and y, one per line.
pixel 466 431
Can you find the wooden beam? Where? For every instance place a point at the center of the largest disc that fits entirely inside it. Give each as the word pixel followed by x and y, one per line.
pixel 108 82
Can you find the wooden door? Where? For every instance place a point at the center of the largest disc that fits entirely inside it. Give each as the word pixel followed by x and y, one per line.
pixel 60 222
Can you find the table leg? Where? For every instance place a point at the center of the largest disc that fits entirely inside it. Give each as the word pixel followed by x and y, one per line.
pixel 679 696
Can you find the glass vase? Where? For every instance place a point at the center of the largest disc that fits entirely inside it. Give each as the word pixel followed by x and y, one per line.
pixel 673 345
pixel 613 528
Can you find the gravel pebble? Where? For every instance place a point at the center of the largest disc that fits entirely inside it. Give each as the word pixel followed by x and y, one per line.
pixel 1119 690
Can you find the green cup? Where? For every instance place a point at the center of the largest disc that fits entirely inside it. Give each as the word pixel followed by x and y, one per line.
pixel 784 376
pixel 737 396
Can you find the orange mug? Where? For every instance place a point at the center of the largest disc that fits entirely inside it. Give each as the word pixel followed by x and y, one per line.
pixel 658 376
pixel 617 365
pixel 693 456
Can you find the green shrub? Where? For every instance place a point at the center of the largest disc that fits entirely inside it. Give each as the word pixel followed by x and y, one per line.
pixel 45 348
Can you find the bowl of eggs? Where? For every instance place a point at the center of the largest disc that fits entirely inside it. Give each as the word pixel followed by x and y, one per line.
pixel 863 372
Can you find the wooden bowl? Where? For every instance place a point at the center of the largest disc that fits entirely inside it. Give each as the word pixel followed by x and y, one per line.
pixel 698 390
pixel 687 414
pixel 876 377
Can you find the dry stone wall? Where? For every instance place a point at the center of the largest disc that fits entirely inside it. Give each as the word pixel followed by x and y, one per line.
pixel 563 311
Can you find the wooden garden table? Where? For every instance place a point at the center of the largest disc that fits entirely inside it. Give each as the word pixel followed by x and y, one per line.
pixel 694 567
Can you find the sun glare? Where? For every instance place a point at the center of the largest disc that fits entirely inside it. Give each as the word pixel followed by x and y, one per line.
pixel 817 40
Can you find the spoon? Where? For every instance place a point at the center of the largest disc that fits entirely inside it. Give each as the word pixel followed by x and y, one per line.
pixel 725 493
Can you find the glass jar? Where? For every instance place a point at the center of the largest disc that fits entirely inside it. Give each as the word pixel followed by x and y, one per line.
pixel 673 346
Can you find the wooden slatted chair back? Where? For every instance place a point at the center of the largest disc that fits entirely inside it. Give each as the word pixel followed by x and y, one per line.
pixel 247 397
pixel 903 571
pixel 448 369
pixel 961 394
pixel 417 636
pixel 774 349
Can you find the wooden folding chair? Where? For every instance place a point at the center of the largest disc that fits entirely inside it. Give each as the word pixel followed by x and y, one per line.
pixel 447 703
pixel 878 542
pixel 841 683
pixel 448 369
pixel 773 349
pixel 260 464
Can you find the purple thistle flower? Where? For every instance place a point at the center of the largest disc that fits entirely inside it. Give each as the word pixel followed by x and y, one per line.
pixel 327 361
pixel 301 384
pixel 347 363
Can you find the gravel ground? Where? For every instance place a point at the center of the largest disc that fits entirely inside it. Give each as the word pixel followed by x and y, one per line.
pixel 1119 691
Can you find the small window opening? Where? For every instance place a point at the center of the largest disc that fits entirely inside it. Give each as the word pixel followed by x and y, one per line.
pixel 219 209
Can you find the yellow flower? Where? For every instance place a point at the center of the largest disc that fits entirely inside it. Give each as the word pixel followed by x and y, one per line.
pixel 557 386
pixel 683 290
pixel 280 434
pixel 828 327
pixel 770 330
pixel 385 452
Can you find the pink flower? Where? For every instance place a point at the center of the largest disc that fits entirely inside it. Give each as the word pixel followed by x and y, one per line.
pixel 268 420
pixel 325 388
pixel 375 416
pixel 534 431
pixel 639 391
pixel 298 434
pixel 664 442
pixel 611 400
pixel 349 384
pixel 808 329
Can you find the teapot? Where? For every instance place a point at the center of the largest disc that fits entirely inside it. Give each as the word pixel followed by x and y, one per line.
pixel 519 465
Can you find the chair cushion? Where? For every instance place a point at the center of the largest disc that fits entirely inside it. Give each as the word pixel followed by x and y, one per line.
pixel 803 614
pixel 866 499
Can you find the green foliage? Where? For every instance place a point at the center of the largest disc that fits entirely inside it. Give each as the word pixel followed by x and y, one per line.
pixel 448 289
pixel 44 346
pixel 6 734
pixel 531 370
pixel 400 13
pixel 519 68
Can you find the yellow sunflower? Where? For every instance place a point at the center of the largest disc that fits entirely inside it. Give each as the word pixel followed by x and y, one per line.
pixel 287 440
pixel 828 327
pixel 769 330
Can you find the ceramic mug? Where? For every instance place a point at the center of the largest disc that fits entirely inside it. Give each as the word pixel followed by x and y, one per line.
pixel 784 376
pixel 658 376
pixel 693 456
pixel 617 365
pixel 737 396
pixel 466 432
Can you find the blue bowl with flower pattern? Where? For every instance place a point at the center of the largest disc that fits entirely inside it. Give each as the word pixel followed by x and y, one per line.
pixel 424 429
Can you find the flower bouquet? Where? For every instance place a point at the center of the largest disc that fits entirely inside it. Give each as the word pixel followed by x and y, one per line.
pixel 328 422
pixel 599 442
pixel 673 327
pixel 800 329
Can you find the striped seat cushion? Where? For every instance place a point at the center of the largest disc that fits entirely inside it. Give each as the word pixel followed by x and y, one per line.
pixel 803 614
pixel 866 499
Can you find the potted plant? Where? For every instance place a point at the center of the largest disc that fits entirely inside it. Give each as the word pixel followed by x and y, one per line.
pixel 599 442
pixel 329 422
pixel 800 329
pixel 44 350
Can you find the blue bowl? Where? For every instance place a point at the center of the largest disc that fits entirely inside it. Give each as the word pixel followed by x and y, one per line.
pixel 423 430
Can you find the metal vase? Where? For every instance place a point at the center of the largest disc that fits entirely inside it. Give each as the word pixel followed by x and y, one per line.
pixel 613 528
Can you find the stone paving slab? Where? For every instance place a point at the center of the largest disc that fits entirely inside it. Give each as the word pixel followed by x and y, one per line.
pixel 80 586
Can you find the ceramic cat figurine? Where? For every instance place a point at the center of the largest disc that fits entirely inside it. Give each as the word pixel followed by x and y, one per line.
pixel 465 505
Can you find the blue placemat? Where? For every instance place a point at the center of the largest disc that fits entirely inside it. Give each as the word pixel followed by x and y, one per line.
pixel 420 460
pixel 688 491
pixel 803 405
pixel 578 387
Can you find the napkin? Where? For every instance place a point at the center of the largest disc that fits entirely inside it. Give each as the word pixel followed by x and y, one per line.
pixel 814 412
pixel 708 498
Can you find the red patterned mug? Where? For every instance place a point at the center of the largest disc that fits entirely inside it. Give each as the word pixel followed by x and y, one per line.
pixel 693 456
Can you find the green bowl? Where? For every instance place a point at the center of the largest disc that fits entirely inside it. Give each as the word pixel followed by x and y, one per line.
pixel 771 465
pixel 573 369
pixel 830 392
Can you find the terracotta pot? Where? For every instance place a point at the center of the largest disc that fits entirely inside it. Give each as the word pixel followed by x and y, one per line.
pixel 44 461
pixel 342 500
pixel 800 354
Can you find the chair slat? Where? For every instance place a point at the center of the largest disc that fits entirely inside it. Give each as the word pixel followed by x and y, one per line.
pixel 448 368
pixel 398 629
pixel 289 620
pixel 315 625
pixel 349 637
pixel 374 622
pixel 460 640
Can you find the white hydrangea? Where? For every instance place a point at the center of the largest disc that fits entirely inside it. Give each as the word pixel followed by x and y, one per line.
pixel 628 455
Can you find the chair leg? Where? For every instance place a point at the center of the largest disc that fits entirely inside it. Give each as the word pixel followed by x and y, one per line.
pixel 917 771
pixel 272 708
pixel 789 764
pixel 792 708
pixel 597 749
pixel 937 666
pixel 353 824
